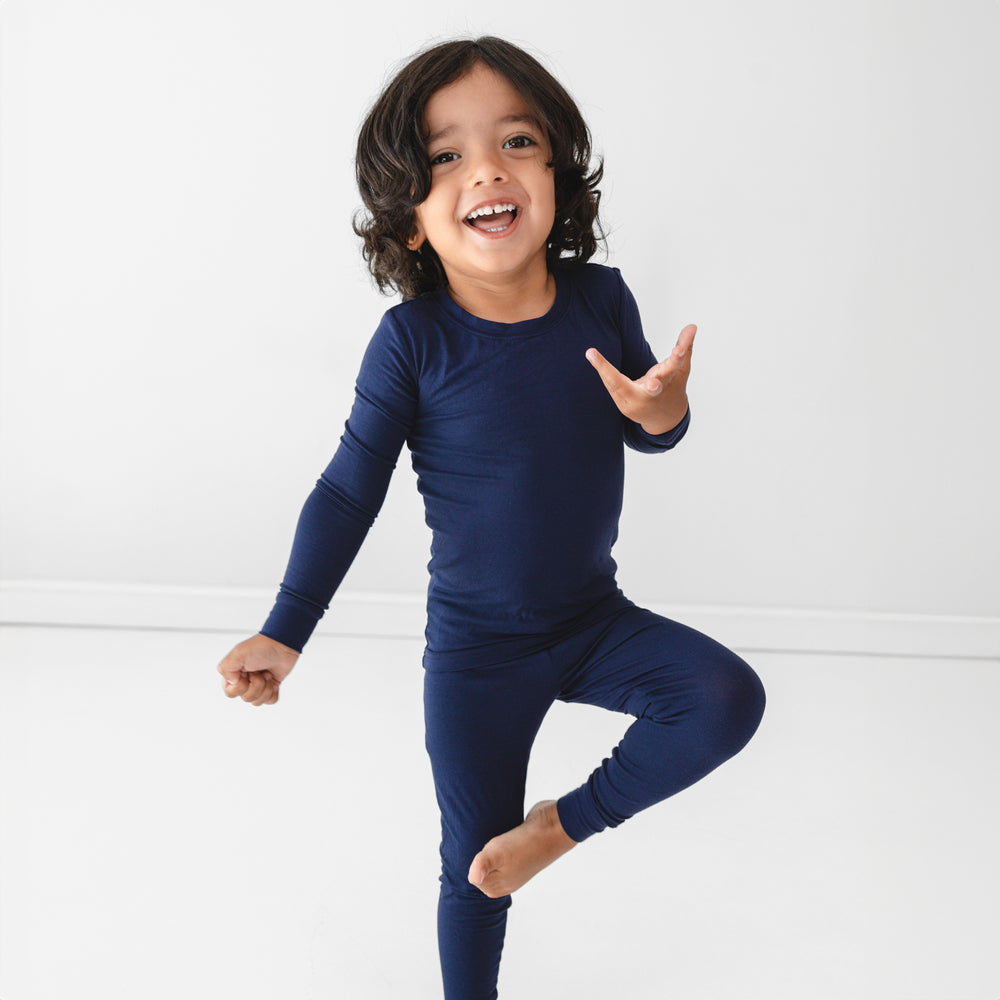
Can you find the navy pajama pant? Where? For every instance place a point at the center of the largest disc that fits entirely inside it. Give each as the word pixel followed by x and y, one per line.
pixel 695 704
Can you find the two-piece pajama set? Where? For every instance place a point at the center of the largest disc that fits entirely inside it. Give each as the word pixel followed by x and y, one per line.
pixel 518 450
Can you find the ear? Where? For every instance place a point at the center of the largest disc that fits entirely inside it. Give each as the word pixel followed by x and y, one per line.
pixel 417 237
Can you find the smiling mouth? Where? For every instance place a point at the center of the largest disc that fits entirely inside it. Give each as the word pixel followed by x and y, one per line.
pixel 492 218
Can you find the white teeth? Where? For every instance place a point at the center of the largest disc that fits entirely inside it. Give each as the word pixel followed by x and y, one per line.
pixel 491 210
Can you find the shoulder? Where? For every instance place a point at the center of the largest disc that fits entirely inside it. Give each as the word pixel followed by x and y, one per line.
pixel 409 335
pixel 596 283
pixel 595 277
pixel 391 344
pixel 415 309
pixel 598 289
pixel 404 320
pixel 415 319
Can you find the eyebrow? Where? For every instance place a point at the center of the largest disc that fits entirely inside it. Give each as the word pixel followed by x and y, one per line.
pixel 507 120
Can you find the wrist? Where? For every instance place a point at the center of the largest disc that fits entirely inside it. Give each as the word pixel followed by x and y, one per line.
pixel 665 422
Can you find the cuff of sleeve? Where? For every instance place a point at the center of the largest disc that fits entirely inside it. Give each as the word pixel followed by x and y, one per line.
pixel 645 441
pixel 290 624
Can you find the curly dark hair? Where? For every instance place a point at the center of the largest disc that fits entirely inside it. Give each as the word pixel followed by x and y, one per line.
pixel 394 174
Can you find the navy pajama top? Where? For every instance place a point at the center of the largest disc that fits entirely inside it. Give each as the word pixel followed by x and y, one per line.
pixel 518 451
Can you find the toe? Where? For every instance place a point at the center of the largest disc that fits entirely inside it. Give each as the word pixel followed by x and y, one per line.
pixel 479 869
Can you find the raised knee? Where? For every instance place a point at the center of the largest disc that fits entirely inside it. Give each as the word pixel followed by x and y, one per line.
pixel 739 699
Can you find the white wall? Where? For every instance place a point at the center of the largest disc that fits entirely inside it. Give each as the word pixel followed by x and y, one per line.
pixel 184 305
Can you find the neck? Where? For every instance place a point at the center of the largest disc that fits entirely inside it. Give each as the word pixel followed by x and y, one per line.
pixel 507 299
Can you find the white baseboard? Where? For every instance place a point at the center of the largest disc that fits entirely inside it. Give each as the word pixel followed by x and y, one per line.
pixel 243 610
pixel 228 609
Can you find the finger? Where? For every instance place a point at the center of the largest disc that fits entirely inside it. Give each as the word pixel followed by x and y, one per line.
pixel 679 358
pixel 686 340
pixel 235 684
pixel 267 694
pixel 254 688
pixel 231 669
pixel 272 687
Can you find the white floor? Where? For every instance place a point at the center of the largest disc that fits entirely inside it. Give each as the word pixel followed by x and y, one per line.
pixel 160 841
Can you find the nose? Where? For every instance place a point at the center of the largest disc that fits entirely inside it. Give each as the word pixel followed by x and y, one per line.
pixel 486 168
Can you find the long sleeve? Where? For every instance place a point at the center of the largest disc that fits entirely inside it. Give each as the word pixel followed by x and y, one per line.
pixel 347 498
pixel 637 359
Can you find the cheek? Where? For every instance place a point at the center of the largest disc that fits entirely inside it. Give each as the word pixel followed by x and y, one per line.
pixel 549 197
pixel 432 220
pixel 434 205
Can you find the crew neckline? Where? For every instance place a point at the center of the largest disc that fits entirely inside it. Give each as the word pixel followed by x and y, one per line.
pixel 522 328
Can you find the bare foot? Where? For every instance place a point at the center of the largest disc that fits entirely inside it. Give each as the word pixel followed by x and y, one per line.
pixel 510 860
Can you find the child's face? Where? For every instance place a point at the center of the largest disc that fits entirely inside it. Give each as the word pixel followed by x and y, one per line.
pixel 485 150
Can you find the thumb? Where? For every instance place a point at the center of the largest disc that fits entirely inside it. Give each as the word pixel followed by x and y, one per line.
pixel 614 381
pixel 235 679
pixel 235 684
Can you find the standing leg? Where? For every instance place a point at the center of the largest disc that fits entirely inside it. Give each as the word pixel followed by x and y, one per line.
pixel 696 704
pixel 480 725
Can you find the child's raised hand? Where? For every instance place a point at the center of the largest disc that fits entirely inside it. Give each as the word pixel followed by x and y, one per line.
pixel 657 400
pixel 255 668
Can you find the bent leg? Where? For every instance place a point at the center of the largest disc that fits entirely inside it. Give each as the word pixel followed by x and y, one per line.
pixel 480 725
pixel 696 704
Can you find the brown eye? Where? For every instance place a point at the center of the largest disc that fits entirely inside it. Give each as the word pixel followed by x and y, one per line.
pixel 519 142
pixel 443 158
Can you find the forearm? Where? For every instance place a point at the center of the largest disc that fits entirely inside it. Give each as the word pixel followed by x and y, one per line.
pixel 327 538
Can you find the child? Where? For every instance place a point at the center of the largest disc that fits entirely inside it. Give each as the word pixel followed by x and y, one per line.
pixel 473 165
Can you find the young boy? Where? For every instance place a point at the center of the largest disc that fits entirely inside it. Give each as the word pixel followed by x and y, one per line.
pixel 474 168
